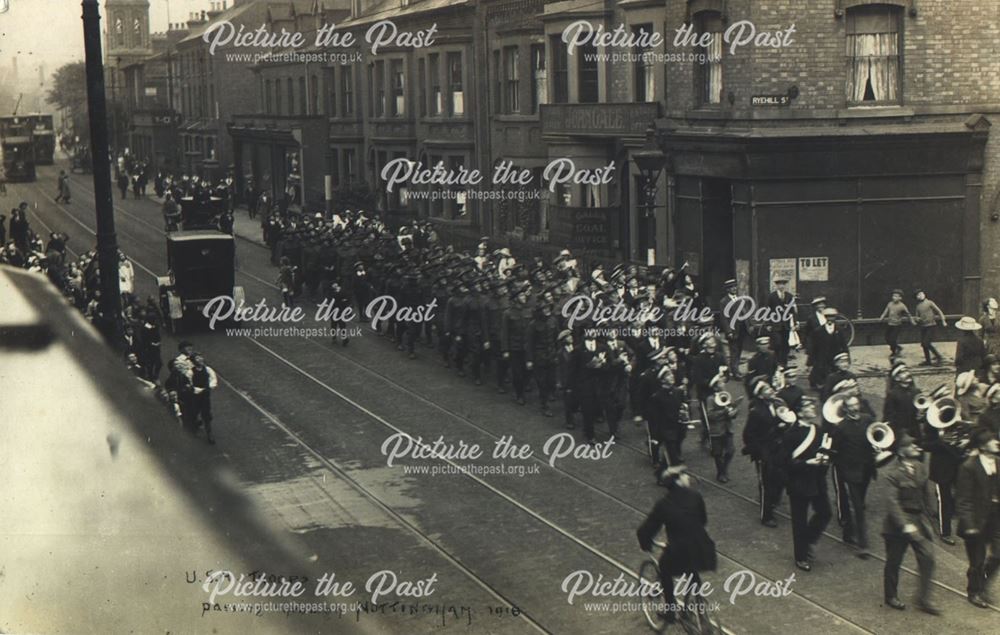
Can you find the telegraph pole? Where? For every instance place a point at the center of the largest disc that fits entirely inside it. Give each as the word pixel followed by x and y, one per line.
pixel 107 242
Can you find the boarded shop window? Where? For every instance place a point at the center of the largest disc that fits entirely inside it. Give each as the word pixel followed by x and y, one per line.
pixel 539 77
pixel 873 54
pixel 708 71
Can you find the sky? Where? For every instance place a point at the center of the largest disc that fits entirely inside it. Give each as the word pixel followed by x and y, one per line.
pixel 51 31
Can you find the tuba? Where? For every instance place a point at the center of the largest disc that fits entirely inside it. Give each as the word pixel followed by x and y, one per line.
pixel 945 416
pixel 922 402
pixel 881 437
pixel 833 409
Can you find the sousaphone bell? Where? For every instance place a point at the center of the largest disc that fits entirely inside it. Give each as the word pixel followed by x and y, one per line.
pixel 833 408
pixel 881 437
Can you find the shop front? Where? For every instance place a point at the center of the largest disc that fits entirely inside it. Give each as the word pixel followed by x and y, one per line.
pixel 849 213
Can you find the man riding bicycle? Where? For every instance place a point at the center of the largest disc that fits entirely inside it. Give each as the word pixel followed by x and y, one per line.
pixel 682 514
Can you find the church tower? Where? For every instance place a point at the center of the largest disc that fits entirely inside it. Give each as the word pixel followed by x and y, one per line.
pixel 126 36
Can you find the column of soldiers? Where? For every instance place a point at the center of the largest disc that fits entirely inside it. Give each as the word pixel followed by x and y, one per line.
pixel 500 321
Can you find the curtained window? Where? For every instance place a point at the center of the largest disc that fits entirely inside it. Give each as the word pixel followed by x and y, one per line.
pixel 873 53
pixel 644 68
pixel 539 78
pixel 511 80
pixel 708 70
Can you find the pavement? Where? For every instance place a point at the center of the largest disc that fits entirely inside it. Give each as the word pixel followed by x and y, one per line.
pixel 303 425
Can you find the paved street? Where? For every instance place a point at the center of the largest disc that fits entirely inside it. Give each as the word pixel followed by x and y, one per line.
pixel 303 424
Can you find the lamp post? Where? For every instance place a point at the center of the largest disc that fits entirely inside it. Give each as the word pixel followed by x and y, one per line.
pixel 107 241
pixel 650 160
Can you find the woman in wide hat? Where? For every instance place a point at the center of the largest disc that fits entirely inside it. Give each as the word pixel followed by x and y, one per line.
pixel 970 350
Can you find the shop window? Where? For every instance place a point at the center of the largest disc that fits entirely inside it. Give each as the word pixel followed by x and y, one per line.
pixel 512 86
pixel 708 71
pixel 560 70
pixel 456 92
pixel 644 68
pixel 873 54
pixel 539 78
pixel 277 96
pixel 437 204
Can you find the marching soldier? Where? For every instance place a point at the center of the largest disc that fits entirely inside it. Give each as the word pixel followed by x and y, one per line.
pixel 542 354
pixel 591 362
pixel 907 524
pixel 805 456
pixel 566 377
pixel 978 508
pixel 514 339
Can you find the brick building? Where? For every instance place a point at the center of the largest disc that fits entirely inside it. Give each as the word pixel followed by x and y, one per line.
pixel 856 159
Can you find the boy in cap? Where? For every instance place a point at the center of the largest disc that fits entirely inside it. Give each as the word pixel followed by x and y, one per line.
pixel 893 315
pixel 927 314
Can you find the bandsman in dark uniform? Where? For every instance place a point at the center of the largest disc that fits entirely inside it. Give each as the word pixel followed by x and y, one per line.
pixel 899 410
pixel 825 343
pixel 736 330
pixel 720 414
pixel 761 439
pixel 854 469
pixel 805 452
pixel 763 363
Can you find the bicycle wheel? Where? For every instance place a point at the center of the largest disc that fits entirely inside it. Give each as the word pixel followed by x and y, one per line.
pixel 652 603
pixel 844 324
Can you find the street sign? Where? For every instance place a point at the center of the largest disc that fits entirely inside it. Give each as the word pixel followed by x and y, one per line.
pixel 770 100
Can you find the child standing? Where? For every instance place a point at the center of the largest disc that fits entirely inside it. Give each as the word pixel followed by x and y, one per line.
pixel 927 315
pixel 893 315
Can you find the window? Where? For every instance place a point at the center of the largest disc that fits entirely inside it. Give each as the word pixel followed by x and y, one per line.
pixel 708 72
pixel 267 96
pixel 510 79
pixel 497 83
pixel 346 91
pixel 587 74
pixel 291 96
pixel 539 78
pixel 333 167
pixel 457 201
pixel 456 101
pixel 371 90
pixel 303 102
pixel 380 89
pixel 210 147
pixel 119 32
pixel 422 86
pixel 873 54
pixel 644 86
pixel 560 70
pixel 277 96
pixel 331 92
pixel 350 163
pixel 398 89
pixel 437 203
pixel 314 95
pixel 436 104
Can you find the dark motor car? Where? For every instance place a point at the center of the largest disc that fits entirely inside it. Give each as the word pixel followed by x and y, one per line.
pixel 201 266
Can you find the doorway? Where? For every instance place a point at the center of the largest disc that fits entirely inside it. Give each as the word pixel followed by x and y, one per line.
pixel 718 262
